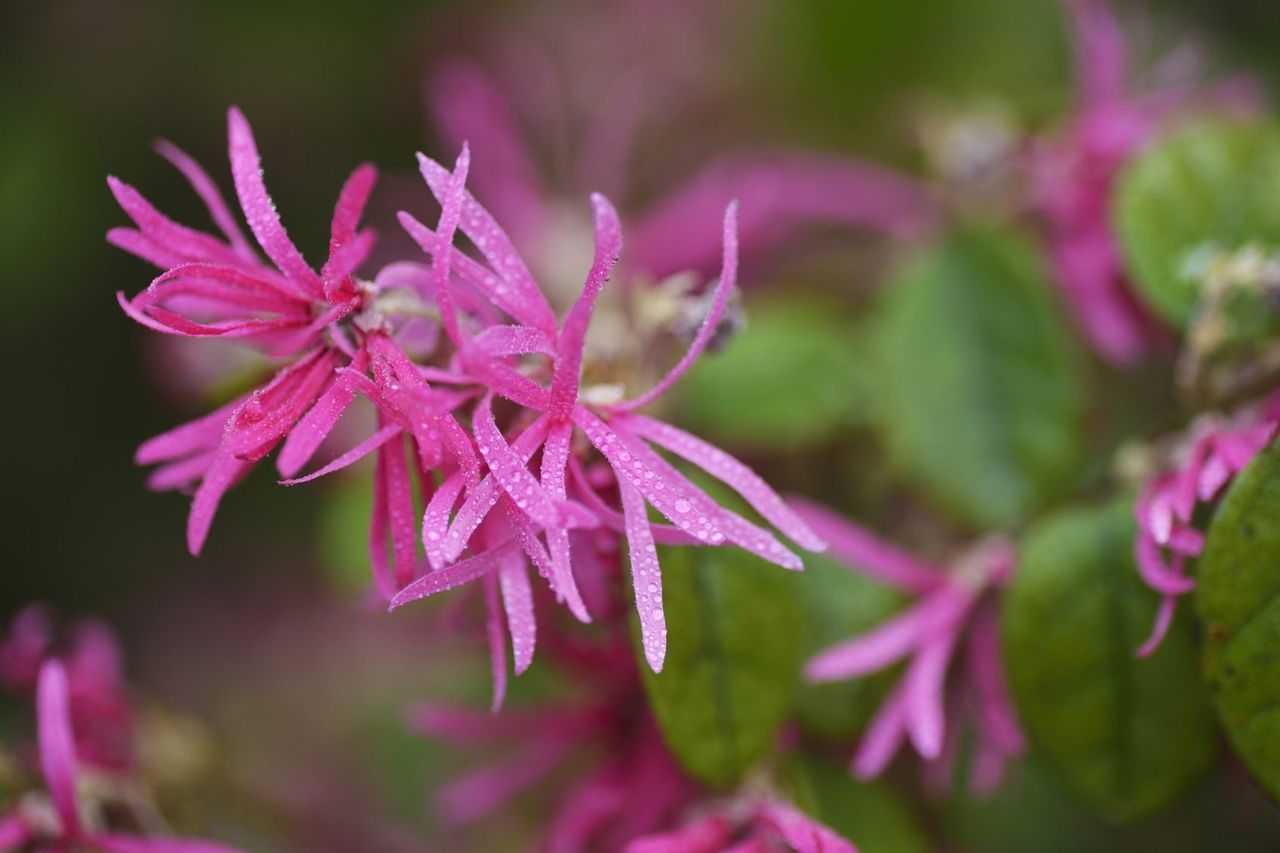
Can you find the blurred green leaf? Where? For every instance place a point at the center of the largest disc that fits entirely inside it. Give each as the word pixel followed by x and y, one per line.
pixel 980 402
pixel 1210 186
pixel 871 815
pixel 795 377
pixel 1126 736
pixel 838 603
pixel 733 658
pixel 1239 601
pixel 344 533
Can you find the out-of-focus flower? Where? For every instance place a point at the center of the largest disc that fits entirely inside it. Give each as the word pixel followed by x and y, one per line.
pixel 632 786
pixel 550 416
pixel 954 607
pixel 1073 171
pixel 1201 466
pixel 758 824
pixel 102 715
pixel 555 97
pixel 61 820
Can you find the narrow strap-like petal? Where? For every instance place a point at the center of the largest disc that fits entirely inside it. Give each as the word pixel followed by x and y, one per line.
pixel 398 488
pixel 924 683
pixel 350 207
pixel 802 832
pixel 883 737
pixel 203 433
pixel 210 195
pixel 57 744
pixel 729 470
pixel 260 211
pixel 480 227
pixel 719 299
pixel 223 473
pixel 494 634
pixel 999 720
pixel 513 340
pixel 569 346
pixel 461 572
pixel 646 577
pixel 1153 570
pixel 517 601
pixel 177 239
pixel 511 471
pixel 865 552
pixel 435 519
pixel 314 427
pixel 351 457
pixel 555 460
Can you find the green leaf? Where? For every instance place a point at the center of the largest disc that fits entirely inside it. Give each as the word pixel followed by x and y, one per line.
pixel 1126 736
pixel 793 378
pixel 838 603
pixel 1239 601
pixel 733 659
pixel 344 533
pixel 980 400
pixel 871 815
pixel 1212 185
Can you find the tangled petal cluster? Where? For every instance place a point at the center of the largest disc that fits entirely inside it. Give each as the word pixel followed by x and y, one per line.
pixel 494 427
pixel 954 608
pixel 758 825
pixel 1215 451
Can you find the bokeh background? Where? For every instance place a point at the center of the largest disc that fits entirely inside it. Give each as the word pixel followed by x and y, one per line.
pixel 264 637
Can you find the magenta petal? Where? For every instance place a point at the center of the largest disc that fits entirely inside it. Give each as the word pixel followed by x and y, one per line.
pixel 708 835
pixel 351 457
pixel 573 332
pixel 223 473
pixel 729 470
pixel 866 552
pixel 210 195
pixel 526 299
pixel 555 460
pixel 202 434
pixel 710 323
pixel 435 519
pixel 350 207
pixel 986 669
pixel 510 470
pixel 57 745
pixel 171 237
pixel 923 685
pixel 314 427
pixel 882 738
pixel 513 340
pixel 493 630
pixel 646 578
pixel 1164 619
pixel 802 832
pixel 260 210
pixel 1154 572
pixel 517 601
pixel 461 572
pixel 890 641
pixel 14 832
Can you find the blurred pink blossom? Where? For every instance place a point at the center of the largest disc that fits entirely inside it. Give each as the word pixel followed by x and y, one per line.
pixel 954 607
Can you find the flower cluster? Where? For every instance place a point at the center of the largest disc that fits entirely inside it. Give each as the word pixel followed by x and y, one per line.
pixel 758 824
pixel 955 607
pixel 503 358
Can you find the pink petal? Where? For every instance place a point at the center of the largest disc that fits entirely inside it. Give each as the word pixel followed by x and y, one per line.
pixel 573 333
pixel 350 207
pixel 223 473
pixel 866 552
pixel 493 629
pixel 729 470
pixel 646 577
pixel 1164 618
pixel 461 572
pixel 802 832
pixel 517 601
pixel 1154 572
pixel 14 832
pixel 260 210
pixel 314 427
pixel 351 457
pixel 398 492
pixel 708 835
pixel 210 195
pixel 710 323
pixel 663 534
pixel 511 471
pixel 891 641
pixel 923 686
pixel 202 434
pixel 168 235
pixel 482 792
pixel 57 744
pixel 135 243
pixel 555 460
pixel 112 843
pixel 435 519
pixel 986 670
pixel 526 297
pixel 882 738
pixel 513 340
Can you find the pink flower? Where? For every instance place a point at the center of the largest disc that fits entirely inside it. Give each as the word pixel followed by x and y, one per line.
pixel 1073 174
pixel 102 715
pixel 65 826
pixel 758 824
pixel 953 607
pixel 632 785
pixel 1214 452
pixel 217 286
pixel 551 416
